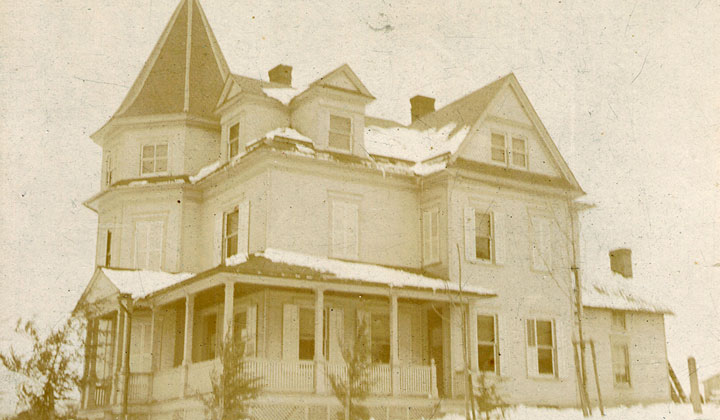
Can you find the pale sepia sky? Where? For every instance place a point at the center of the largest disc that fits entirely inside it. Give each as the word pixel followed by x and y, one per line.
pixel 629 91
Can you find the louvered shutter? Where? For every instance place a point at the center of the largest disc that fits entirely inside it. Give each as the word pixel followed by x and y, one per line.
pixel 531 348
pixel 218 239
pixel 564 348
pixel 500 237
pixel 503 328
pixel 469 225
pixel 351 230
pixel 336 333
pixel 291 332
pixel 435 236
pixel 243 236
pixel 251 339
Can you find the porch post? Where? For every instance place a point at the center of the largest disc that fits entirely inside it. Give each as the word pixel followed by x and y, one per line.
pixel 117 356
pixel 472 339
pixel 155 346
pixel 394 363
pixel 319 359
pixel 89 363
pixel 188 342
pixel 229 310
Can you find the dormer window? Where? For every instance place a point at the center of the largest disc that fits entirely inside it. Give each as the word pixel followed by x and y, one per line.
pixel 233 140
pixel 519 152
pixel 154 159
pixel 498 148
pixel 340 133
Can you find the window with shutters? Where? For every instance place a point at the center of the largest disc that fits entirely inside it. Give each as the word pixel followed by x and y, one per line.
pixel 487 339
pixel 154 160
pixel 380 338
pixel 431 236
pixel 484 235
pixel 233 140
pixel 104 344
pixel 148 244
pixel 340 133
pixel 541 347
pixel 620 363
pixel 108 248
pixel 542 228
pixel 344 229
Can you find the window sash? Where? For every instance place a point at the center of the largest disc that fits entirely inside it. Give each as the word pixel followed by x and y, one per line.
pixel 487 342
pixel 154 159
pixel 483 236
pixel 545 353
pixel 519 152
pixel 620 364
pixel 498 152
pixel 340 133
pixel 231 225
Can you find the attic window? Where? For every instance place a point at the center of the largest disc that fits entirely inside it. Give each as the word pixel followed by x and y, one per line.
pixel 233 140
pixel 154 159
pixel 519 152
pixel 340 133
pixel 498 148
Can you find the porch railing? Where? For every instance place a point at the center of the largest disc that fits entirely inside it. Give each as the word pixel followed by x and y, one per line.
pixel 283 375
pixel 379 377
pixel 139 387
pixel 100 393
pixel 416 380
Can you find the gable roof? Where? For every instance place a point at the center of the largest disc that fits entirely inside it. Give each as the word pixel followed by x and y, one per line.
pixel 344 70
pixel 185 72
pixel 613 291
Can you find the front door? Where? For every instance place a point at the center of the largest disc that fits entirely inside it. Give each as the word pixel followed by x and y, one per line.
pixel 435 334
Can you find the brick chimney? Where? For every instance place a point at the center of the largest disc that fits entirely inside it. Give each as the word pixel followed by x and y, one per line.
pixel 621 262
pixel 281 74
pixel 420 106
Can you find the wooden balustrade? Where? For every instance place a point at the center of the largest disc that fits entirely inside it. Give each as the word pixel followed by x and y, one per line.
pixel 101 393
pixel 283 375
pixel 139 388
pixel 416 380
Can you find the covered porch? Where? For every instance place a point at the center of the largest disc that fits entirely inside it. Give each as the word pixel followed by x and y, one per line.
pixel 295 321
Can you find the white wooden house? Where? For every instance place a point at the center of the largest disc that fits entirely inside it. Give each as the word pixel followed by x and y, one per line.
pixel 285 214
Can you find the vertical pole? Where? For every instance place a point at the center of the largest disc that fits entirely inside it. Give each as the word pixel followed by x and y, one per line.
pixel 694 386
pixel 187 344
pixel 155 347
pixel 469 400
pixel 228 312
pixel 117 356
pixel 597 378
pixel 127 307
pixel 319 342
pixel 584 398
pixel 394 364
pixel 579 378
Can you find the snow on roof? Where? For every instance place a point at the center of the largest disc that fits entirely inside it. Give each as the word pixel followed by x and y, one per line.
pixel 617 292
pixel 283 94
pixel 140 283
pixel 364 272
pixel 414 144
pixel 205 171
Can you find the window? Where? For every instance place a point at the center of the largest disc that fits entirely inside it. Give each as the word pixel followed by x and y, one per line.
pixel 234 140
pixel 108 248
pixel 431 238
pixel 154 159
pixel 497 147
pixel 307 334
pixel 340 134
pixel 230 234
pixel 208 336
pixel 541 243
pixel 245 329
pixel 109 169
pixel 380 338
pixel 487 343
pixel 541 350
pixel 620 364
pixel 618 321
pixel 344 229
pixel 519 152
pixel 148 244
pixel 104 340
pixel 483 236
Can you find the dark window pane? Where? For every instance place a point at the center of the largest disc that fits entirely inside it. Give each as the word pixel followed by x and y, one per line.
pixel 307 349
pixel 486 328
pixel 234 129
pixel 233 149
pixel 231 246
pixel 339 141
pixel 544 333
pixel 147 166
pixel 486 358
pixel 482 224
pixel 498 155
pixel 482 248
pixel 231 223
pixel 498 140
pixel 340 124
pixel 380 353
pixel 545 361
pixel 148 152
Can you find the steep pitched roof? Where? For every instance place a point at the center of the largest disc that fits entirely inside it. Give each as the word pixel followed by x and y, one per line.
pixel 185 72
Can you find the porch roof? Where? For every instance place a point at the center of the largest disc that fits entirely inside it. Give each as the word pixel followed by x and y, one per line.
pixel 276 262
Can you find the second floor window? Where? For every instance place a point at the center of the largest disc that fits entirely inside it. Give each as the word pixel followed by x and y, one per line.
pixel 541 350
pixel 340 134
pixel 484 235
pixel 148 244
pixel 235 225
pixel 234 140
pixel 154 159
pixel 487 343
pixel 430 236
pixel 344 229
pixel 230 234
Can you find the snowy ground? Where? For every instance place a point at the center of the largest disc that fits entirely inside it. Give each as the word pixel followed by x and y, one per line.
pixel 652 412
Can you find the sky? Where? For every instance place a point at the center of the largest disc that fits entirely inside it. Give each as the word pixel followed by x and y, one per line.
pixel 628 90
